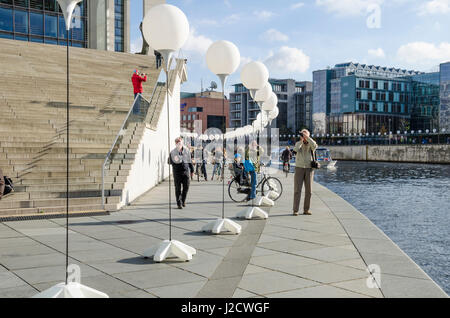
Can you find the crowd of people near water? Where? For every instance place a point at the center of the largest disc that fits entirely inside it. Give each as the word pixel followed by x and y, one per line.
pixel 245 166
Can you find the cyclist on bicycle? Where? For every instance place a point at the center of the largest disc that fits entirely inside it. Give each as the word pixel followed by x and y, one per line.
pixel 253 153
pixel 286 156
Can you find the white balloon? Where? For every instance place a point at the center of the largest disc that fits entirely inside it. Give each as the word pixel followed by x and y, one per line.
pixel 270 103
pixel 254 75
pixel 165 27
pixel 262 117
pixel 263 94
pixel 223 57
pixel 248 129
pixel 274 113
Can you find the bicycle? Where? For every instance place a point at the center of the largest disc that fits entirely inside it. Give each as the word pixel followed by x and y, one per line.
pixel 239 192
pixel 286 168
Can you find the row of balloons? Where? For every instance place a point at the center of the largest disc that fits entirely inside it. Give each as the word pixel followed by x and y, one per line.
pixel 166 29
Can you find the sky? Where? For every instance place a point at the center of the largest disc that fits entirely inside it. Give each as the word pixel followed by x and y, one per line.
pixel 294 38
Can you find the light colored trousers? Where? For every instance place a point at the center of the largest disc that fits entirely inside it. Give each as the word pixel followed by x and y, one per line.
pixel 302 175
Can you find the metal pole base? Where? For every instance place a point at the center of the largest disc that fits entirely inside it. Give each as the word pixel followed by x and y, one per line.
pixel 262 201
pixel 222 225
pixel 252 212
pixel 170 248
pixel 71 290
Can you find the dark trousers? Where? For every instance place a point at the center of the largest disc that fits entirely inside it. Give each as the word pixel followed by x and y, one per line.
pixel 137 106
pixel 181 180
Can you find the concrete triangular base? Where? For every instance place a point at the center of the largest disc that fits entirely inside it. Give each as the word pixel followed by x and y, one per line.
pixel 251 212
pixel 71 290
pixel 272 195
pixel 222 225
pixel 262 201
pixel 171 248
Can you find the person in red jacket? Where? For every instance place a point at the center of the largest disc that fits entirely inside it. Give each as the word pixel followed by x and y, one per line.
pixel 137 80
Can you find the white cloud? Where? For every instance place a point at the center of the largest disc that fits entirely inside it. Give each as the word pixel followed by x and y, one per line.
pixel 233 18
pixel 227 3
pixel 424 53
pixel 297 5
pixel 435 7
pixel 263 14
pixel 206 21
pixel 196 44
pixel 273 35
pixel 136 45
pixel 288 60
pixel 377 53
pixel 345 8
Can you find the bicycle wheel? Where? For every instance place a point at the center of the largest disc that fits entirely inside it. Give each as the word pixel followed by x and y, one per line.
pixel 237 192
pixel 272 184
pixel 286 169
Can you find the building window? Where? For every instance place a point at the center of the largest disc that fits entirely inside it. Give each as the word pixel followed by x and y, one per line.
pixel 21 21
pixel 42 21
pixel 118 25
pixel 36 24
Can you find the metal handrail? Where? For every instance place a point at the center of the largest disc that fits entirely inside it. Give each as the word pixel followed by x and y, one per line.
pixel 120 133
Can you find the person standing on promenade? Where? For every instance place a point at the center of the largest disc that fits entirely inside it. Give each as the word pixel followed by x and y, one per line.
pixel 303 171
pixel 180 159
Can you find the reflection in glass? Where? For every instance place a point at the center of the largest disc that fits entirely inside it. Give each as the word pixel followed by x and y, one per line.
pixel 21 21
pixel 36 24
pixel 51 28
pixel 6 19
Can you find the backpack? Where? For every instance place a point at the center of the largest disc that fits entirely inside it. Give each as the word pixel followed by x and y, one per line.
pixel 9 186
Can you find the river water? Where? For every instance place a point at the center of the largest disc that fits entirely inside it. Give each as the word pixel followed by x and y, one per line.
pixel 408 202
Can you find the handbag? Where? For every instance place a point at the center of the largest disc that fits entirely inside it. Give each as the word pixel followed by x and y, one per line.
pixel 314 163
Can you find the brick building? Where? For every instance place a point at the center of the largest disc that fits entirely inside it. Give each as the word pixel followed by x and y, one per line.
pixel 206 106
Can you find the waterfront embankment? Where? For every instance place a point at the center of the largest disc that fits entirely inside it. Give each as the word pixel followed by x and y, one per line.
pixel 393 153
pixel 326 254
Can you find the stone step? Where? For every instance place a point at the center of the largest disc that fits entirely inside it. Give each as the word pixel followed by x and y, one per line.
pixel 56 202
pixel 57 210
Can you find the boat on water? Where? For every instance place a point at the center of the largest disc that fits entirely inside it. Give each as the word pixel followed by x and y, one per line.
pixel 324 157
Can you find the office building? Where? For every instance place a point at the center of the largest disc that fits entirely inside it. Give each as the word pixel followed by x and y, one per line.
pixel 205 108
pixel 294 103
pixel 357 98
pixel 96 24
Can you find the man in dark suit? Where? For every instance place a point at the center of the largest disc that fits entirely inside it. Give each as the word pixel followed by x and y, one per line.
pixel 180 159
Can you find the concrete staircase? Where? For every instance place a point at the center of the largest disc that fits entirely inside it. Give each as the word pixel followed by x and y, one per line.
pixel 33 125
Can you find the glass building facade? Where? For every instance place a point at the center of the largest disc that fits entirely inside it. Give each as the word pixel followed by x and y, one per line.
pixel 42 21
pixel 444 109
pixel 360 99
pixel 119 25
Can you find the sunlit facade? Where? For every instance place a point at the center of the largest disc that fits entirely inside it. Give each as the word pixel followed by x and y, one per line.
pixel 358 99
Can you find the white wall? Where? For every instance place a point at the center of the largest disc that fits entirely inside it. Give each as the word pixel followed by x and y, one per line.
pixel 150 165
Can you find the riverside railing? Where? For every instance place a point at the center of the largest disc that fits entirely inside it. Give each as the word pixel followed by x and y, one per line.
pixel 405 138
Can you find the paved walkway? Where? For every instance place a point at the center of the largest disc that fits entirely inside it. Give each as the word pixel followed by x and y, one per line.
pixel 322 255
